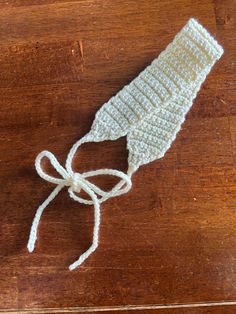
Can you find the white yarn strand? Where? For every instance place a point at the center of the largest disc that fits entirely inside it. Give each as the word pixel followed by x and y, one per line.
pixel 94 245
pixel 34 227
pixel 77 182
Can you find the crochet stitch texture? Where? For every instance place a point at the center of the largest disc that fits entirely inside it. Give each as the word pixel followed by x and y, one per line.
pixel 149 111
pixel 153 106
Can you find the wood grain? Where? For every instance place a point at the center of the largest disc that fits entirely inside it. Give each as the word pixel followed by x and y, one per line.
pixel 171 239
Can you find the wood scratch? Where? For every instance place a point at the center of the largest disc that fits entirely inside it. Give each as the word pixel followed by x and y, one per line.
pixel 81 48
pixel 131 307
pixel 224 102
pixel 230 137
pixel 106 55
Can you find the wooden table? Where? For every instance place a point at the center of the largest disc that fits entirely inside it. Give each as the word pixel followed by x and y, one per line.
pixel 172 239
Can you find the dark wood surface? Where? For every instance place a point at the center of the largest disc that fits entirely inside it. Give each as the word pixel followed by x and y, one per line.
pixel 172 238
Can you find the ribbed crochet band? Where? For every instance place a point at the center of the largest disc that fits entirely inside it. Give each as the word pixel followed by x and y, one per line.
pixel 149 111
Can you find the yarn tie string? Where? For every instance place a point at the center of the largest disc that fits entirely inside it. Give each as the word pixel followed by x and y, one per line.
pixel 76 182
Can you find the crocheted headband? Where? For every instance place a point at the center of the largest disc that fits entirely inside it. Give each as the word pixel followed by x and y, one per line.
pixel 149 111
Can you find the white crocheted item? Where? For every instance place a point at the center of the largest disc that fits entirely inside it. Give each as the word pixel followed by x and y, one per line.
pixel 149 111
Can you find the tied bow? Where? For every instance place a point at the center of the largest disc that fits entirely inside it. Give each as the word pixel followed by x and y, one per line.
pixel 75 183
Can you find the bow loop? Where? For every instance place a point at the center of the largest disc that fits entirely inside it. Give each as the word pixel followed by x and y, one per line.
pixel 55 164
pixel 76 182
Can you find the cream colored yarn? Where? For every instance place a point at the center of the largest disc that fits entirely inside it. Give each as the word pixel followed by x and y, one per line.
pixel 149 111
